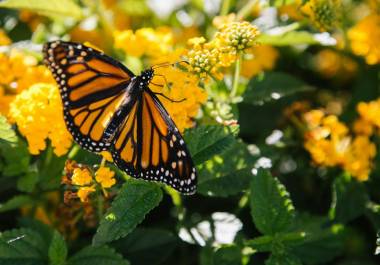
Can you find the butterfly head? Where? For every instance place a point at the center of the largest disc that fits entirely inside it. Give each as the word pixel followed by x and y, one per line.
pixel 146 76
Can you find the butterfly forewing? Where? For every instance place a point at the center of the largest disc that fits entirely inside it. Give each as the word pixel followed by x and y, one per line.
pixel 92 87
pixel 149 146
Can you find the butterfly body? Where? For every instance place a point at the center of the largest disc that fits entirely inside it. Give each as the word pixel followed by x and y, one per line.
pixel 108 108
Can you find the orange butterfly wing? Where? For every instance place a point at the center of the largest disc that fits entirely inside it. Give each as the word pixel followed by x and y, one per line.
pixel 149 146
pixel 92 87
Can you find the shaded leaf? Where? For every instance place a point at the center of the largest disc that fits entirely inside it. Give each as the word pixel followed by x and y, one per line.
pixel 226 174
pixel 135 199
pixel 15 203
pixel 16 158
pixel 146 246
pixel 273 86
pixel 271 208
pixel 102 255
pixel 22 246
pixel 206 141
pixel 283 259
pixel 349 199
pixel 228 255
pixel 323 241
pixel 57 250
pixel 51 8
pixel 27 182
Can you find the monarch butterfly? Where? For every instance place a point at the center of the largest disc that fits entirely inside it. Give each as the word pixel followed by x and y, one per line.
pixel 108 108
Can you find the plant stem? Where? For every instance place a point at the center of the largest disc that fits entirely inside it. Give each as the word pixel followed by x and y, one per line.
pixel 73 151
pixel 225 7
pixel 245 10
pixel 235 83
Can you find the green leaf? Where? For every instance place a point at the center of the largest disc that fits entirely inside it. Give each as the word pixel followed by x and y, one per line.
pixel 50 8
pixel 22 246
pixel 323 241
pixel 27 182
pixel 288 38
pixel 206 141
pixel 102 255
pixel 147 246
pixel 283 259
pixel 57 250
pixel 349 199
pixel 226 174
pixel 279 3
pixel 135 199
pixel 228 255
pixel 6 133
pixel 271 208
pixel 273 86
pixel 16 157
pixel 15 203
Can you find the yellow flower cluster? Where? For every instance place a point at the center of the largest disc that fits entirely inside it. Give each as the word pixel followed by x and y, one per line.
pixel 83 179
pixel 183 89
pixel 325 14
pixel 237 36
pixel 158 47
pixel 365 37
pixel 232 38
pixel 145 41
pixel 330 143
pixel 17 73
pixel 38 113
pixel 369 117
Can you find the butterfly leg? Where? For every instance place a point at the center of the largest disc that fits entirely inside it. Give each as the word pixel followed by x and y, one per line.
pixel 171 100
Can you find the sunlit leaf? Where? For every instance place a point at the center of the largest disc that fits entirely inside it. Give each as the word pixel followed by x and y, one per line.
pixel 271 208
pixel 51 8
pixel 135 199
pixel 6 132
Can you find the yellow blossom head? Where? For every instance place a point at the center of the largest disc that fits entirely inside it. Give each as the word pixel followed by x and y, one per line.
pixel 84 192
pixel 81 177
pixel 365 37
pixel 237 35
pixel 38 114
pixel 325 14
pixel 105 177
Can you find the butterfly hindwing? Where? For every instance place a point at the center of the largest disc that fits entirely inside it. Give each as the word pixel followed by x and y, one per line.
pixel 149 146
pixel 92 87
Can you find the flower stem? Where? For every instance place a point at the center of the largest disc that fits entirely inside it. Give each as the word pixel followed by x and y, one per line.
pixel 235 83
pixel 246 10
pixel 225 7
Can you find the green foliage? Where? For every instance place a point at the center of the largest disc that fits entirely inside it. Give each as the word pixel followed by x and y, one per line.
pixel 57 251
pixel 226 174
pixel 147 246
pixel 51 8
pixel 271 208
pixel 228 255
pixel 15 203
pixel 135 199
pixel 101 255
pixel 273 86
pixel 289 38
pixel 206 141
pixel 6 132
pixel 349 199
pixel 22 246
